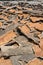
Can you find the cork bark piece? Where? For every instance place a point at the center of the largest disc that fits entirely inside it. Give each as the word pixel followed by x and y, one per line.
pixel 34 19
pixel 5 62
pixel 0 24
pixel 38 52
pixel 7 37
pixel 37 26
pixel 24 29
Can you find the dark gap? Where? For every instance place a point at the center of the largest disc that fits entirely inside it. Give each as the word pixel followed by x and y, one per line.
pixel 2 28
pixel 18 21
pixel 6 57
pixel 40 21
pixel 0 49
pixel 5 24
pixel 39 30
pixel 25 12
pixel 9 22
pixel 41 58
pixel 14 7
pixel 12 43
pixel 18 17
pixel 19 32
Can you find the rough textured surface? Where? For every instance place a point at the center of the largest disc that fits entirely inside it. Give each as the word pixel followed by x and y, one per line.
pixel 21 33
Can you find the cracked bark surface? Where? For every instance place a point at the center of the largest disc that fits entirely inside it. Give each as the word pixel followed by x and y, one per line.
pixel 21 33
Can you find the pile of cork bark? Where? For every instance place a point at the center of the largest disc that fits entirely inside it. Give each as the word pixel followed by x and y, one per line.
pixel 21 33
